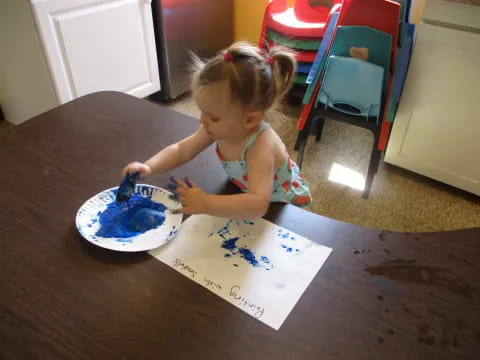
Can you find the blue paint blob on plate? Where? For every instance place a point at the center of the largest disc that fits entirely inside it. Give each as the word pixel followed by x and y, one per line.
pixel 143 223
pixel 129 219
pixel 146 219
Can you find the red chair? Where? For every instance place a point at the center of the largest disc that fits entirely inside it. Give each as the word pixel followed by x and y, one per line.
pixel 303 20
pixel 382 15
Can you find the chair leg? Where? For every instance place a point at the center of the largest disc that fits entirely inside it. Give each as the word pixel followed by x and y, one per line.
pixel 301 152
pixel 303 134
pixel 302 139
pixel 319 122
pixel 372 166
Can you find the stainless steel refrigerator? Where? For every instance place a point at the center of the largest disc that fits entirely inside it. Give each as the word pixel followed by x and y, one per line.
pixel 181 26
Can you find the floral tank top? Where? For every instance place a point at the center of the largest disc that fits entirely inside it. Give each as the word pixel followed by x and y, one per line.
pixel 289 185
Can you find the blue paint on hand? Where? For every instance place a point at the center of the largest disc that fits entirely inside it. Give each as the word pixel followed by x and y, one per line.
pixel 129 219
pixel 127 187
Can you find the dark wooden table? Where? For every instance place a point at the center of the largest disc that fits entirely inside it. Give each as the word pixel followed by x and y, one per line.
pixel 380 295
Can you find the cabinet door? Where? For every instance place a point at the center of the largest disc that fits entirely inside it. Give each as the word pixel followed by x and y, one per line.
pixel 437 127
pixel 95 45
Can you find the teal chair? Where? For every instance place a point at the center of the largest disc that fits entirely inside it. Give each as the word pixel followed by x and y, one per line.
pixel 378 43
pixel 403 17
pixel 354 86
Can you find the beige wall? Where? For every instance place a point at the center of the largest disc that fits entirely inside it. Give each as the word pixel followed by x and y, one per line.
pixel 416 11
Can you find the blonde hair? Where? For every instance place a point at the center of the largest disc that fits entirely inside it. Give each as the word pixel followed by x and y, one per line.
pixel 257 79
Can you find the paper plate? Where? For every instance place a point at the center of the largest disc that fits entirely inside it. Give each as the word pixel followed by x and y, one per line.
pixel 89 216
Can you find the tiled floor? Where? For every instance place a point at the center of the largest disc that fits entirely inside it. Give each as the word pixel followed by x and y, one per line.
pixel 399 200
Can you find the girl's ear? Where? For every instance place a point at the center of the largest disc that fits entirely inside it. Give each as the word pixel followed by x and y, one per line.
pixel 253 119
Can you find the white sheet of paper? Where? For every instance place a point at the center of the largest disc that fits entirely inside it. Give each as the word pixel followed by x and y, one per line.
pixel 259 267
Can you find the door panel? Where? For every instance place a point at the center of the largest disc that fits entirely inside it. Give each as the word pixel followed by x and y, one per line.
pixel 98 45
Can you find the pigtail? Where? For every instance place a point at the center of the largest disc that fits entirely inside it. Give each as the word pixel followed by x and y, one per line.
pixel 283 65
pixel 195 67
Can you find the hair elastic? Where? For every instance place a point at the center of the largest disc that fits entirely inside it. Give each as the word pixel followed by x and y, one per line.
pixel 228 56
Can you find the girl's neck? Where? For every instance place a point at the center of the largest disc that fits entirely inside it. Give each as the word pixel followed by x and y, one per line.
pixel 240 139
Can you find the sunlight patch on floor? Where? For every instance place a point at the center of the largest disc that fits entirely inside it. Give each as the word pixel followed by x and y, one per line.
pixel 343 175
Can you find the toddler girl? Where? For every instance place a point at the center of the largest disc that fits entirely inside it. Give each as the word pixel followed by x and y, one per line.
pixel 237 91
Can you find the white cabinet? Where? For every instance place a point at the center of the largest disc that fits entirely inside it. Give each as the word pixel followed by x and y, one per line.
pixel 436 131
pixel 83 46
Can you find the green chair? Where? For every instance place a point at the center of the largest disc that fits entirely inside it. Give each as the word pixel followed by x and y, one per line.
pixel 403 18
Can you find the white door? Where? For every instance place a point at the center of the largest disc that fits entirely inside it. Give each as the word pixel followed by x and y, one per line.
pixel 95 45
pixel 437 127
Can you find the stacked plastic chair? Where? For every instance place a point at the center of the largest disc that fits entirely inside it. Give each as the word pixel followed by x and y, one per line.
pixel 300 27
pixel 353 85
pixel 363 42
pixel 405 42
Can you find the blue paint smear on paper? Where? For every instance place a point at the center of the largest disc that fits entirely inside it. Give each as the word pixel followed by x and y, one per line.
pixel 285 235
pixel 289 249
pixel 230 243
pixel 131 218
pixel 248 255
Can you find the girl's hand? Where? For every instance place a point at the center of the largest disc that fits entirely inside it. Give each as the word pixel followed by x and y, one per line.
pixel 192 197
pixel 139 167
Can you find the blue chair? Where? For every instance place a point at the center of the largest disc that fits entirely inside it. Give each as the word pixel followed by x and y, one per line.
pixel 352 86
pixel 303 68
pixel 403 61
pixel 319 61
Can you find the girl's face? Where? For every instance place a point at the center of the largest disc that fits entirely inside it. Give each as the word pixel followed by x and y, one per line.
pixel 221 119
